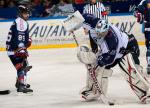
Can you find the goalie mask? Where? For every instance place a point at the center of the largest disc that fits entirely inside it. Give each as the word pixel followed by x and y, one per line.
pixel 102 28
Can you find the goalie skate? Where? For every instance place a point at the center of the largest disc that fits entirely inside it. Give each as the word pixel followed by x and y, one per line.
pixel 146 98
pixel 92 95
pixel 89 94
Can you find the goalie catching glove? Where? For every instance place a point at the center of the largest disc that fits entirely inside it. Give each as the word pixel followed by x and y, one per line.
pixel 85 54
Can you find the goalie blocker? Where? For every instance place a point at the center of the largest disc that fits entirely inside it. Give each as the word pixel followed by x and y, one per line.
pixel 73 22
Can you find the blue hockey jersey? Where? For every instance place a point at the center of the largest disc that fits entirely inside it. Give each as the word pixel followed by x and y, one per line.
pixel 144 8
pixel 18 35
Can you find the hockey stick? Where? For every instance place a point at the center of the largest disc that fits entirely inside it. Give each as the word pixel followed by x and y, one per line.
pixel 74 37
pixel 4 92
pixel 104 99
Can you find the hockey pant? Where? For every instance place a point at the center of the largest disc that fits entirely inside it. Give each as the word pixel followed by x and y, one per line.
pixel 20 64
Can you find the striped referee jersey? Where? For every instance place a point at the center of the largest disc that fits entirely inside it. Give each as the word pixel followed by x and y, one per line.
pixel 97 9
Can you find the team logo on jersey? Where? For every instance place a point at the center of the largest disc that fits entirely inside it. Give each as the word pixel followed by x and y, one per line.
pixel 148 5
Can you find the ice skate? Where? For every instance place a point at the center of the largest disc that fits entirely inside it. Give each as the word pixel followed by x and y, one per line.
pixel 89 94
pixel 18 83
pixel 23 89
pixel 146 97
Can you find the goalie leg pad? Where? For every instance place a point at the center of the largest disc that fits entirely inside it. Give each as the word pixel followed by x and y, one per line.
pixel 102 76
pixel 135 78
pixel 90 92
pixel 85 54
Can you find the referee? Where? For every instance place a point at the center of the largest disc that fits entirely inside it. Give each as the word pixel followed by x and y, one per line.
pixel 97 9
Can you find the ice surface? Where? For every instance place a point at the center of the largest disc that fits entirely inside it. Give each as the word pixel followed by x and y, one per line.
pixel 56 78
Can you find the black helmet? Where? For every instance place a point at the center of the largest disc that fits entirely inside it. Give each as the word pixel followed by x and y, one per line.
pixel 23 9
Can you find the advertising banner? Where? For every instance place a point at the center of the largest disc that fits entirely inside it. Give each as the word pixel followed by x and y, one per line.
pixel 49 33
pixel 129 24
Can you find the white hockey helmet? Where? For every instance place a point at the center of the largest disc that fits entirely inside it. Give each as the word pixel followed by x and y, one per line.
pixel 102 27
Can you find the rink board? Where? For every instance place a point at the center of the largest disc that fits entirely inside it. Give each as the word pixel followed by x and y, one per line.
pixel 49 32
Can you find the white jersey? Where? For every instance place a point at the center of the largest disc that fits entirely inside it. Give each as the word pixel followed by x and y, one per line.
pixel 112 44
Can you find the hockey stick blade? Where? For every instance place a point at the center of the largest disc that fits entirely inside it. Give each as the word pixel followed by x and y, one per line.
pixel 4 92
pixel 105 100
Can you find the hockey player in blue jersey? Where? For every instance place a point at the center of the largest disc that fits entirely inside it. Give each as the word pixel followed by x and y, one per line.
pixel 16 45
pixel 115 47
pixel 143 17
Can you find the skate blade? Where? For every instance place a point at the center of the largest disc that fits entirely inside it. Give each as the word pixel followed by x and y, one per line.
pixel 15 93
pixel 24 94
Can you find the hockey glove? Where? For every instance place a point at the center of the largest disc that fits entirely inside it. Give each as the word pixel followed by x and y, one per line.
pixel 104 13
pixel 139 17
pixel 21 52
